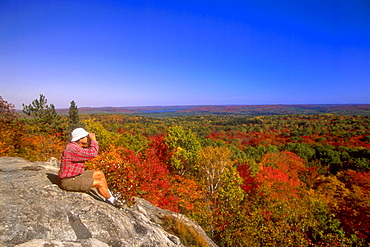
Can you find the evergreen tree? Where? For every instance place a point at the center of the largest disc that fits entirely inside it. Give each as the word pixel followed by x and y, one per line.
pixel 45 118
pixel 74 118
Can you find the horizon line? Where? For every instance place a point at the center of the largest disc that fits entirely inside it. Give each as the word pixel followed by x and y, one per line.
pixel 190 105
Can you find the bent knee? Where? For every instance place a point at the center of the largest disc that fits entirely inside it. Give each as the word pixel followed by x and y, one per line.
pixel 98 174
pixel 98 183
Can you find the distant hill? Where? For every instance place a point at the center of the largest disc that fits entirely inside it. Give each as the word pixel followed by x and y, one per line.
pixel 250 110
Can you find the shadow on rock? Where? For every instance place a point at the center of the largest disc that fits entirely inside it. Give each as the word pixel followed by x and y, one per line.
pixel 54 179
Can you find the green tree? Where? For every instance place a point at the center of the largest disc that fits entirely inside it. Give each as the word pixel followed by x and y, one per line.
pixel 184 146
pixel 259 151
pixel 45 118
pixel 329 156
pixel 105 138
pixel 303 150
pixel 74 118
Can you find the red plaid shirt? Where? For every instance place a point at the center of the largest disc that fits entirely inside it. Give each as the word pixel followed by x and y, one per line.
pixel 74 157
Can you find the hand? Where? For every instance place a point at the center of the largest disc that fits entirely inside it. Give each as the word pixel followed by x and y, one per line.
pixel 92 136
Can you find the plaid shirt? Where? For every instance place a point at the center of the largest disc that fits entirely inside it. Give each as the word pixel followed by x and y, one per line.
pixel 74 157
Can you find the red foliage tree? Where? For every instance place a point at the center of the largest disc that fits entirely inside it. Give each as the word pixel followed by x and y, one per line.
pixel 282 167
pixel 141 175
pixel 157 142
pixel 354 211
pixel 249 182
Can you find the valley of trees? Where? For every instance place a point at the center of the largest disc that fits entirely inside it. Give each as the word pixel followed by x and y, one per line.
pixel 277 180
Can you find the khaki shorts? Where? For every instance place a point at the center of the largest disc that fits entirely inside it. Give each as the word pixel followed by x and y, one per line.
pixel 82 182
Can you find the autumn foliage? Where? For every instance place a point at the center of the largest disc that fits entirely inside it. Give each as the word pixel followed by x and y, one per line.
pixel 288 180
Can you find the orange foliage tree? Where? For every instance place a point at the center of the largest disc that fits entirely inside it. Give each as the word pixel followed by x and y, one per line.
pixel 354 210
pixel 10 129
pixel 41 147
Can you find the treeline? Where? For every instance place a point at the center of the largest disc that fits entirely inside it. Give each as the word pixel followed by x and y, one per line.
pixel 280 180
pixel 38 136
pixel 240 110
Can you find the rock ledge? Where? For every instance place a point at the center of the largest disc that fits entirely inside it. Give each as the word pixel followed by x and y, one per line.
pixel 36 212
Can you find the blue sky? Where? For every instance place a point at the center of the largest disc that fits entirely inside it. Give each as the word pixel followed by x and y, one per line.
pixel 146 53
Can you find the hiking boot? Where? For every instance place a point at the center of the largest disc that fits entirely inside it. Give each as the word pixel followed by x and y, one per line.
pixel 118 196
pixel 117 203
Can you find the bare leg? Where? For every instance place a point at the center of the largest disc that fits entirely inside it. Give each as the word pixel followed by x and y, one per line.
pixel 99 175
pixel 101 184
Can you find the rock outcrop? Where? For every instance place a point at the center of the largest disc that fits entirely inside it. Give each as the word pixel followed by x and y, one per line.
pixel 34 211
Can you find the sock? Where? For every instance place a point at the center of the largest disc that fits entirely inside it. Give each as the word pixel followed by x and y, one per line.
pixel 111 199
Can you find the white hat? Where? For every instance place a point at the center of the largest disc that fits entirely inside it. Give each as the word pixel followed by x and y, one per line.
pixel 78 133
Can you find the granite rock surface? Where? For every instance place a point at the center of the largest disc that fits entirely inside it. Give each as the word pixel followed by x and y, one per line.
pixel 34 212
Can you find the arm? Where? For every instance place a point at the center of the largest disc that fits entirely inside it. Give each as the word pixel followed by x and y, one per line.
pixel 80 154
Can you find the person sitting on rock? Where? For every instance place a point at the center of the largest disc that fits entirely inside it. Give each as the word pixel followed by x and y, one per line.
pixel 72 173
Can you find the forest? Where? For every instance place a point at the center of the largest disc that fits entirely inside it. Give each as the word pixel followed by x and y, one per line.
pixel 240 110
pixel 268 180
